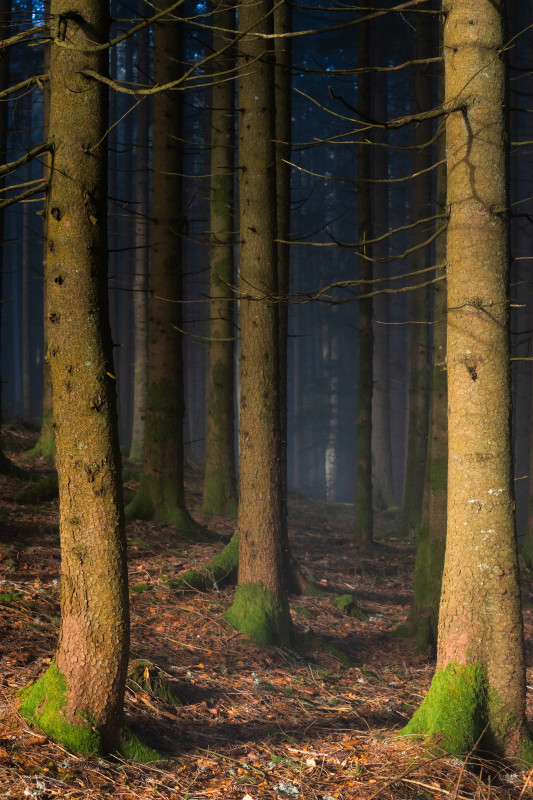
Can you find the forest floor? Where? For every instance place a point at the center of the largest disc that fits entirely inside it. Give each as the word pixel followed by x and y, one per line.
pixel 254 724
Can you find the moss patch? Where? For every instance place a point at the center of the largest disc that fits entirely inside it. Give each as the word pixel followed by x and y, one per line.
pixel 454 712
pixel 45 489
pixel 257 612
pixel 347 605
pixel 132 749
pixel 43 704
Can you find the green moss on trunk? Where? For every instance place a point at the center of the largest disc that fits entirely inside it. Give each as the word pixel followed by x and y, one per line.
pixel 44 704
pixel 461 710
pixel 46 444
pixel 259 613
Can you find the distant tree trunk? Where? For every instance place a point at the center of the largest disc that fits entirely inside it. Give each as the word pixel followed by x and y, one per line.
pixel 142 252
pixel 5 26
pixel 364 518
pixel 383 488
pixel 161 490
pixel 478 691
pixel 45 446
pixel 419 299
pixel 79 700
pixel 220 490
pixel 26 330
pixel 422 621
pixel 261 607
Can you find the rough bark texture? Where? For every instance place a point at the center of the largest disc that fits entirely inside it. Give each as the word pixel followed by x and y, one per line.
pixel 161 492
pixel 479 687
pixel 419 300
pixel 261 607
pixel 142 252
pixel 220 489
pixel 79 699
pixel 364 517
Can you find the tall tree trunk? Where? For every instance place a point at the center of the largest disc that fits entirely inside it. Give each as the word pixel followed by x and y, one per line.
pixel 142 253
pixel 26 326
pixel 383 488
pixel 419 300
pixel 220 490
pixel 261 606
pixel 79 700
pixel 422 621
pixel 478 691
pixel 45 446
pixel 161 494
pixel 364 518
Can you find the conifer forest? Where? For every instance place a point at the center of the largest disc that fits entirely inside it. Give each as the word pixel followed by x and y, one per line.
pixel 266 395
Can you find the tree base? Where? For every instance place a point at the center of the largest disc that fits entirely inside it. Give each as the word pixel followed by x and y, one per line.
pixel 171 513
pixel 459 713
pixel 259 614
pixel 43 704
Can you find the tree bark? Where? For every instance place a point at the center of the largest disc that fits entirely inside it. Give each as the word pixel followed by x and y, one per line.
pixel 364 516
pixel 261 607
pixel 142 252
pixel 478 691
pixel 417 429
pixel 79 700
pixel 220 489
pixel 161 494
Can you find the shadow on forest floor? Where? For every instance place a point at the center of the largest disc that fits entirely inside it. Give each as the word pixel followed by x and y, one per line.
pixel 254 724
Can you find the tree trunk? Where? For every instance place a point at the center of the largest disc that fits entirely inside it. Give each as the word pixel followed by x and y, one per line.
pixel 478 691
pixel 142 252
pixel 261 607
pixel 45 446
pixel 161 490
pixel 220 490
pixel 419 299
pixel 383 489
pixel 422 621
pixel 79 700
pixel 364 517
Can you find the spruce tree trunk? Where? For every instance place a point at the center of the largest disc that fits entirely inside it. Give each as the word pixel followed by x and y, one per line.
pixel 261 607
pixel 422 621
pixel 45 445
pixel 161 490
pixel 383 489
pixel 220 490
pixel 417 425
pixel 478 690
pixel 79 700
pixel 364 517
pixel 142 252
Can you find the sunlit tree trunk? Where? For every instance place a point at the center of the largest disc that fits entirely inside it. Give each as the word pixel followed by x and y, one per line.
pixel 478 691
pixel 79 700
pixel 260 607
pixel 161 490
pixel 142 252
pixel 220 490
